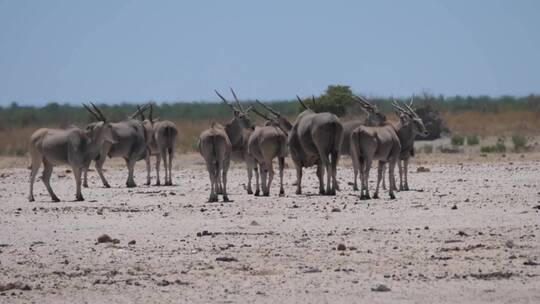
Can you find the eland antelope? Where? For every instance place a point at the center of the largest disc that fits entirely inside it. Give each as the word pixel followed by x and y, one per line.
pixel 239 130
pixel 375 143
pixel 215 147
pixel 374 118
pixel 160 139
pixel 265 144
pixel 130 144
pixel 72 146
pixel 409 126
pixel 315 139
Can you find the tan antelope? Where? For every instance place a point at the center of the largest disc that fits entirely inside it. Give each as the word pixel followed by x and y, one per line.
pixel 215 148
pixel 409 126
pixel 315 139
pixel 374 118
pixel 72 146
pixel 239 130
pixel 265 144
pixel 375 143
pixel 130 144
pixel 160 139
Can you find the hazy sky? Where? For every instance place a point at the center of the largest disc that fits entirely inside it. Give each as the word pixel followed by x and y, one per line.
pixel 112 50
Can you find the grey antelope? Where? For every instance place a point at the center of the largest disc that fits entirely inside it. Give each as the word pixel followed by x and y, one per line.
pixel 130 144
pixel 215 148
pixel 265 144
pixel 409 126
pixel 374 118
pixel 160 139
pixel 315 139
pixel 73 146
pixel 375 143
pixel 239 130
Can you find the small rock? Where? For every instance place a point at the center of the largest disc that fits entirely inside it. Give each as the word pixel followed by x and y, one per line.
pixel 336 210
pixel 132 242
pixel 341 247
pixel 422 169
pixel 254 223
pixel 312 270
pixel 163 283
pixel 531 263
pixel 509 244
pixel 454 207
pixel 226 259
pixel 380 288
pixel 104 238
pixel 462 233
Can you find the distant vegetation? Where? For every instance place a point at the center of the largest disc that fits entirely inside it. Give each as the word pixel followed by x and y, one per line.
pixel 464 115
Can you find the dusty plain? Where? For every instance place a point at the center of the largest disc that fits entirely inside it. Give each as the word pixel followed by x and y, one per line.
pixel 468 232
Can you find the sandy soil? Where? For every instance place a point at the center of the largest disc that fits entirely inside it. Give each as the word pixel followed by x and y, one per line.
pixel 468 233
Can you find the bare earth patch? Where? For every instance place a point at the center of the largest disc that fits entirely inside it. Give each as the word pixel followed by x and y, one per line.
pixel 175 247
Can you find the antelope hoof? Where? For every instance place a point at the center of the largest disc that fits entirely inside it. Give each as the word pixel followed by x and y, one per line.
pixel 249 191
pixel 31 199
pixel 266 193
pixel 406 188
pixel 106 185
pixel 257 193
pixel 226 199
pixel 363 197
pixel 355 188
pixel 158 183
pixel 79 198
pixel 298 191
pixel 322 192
pixel 168 184
pixel 148 183
pixel 376 195
pixel 85 185
pixel 392 196
pixel 213 199
pixel 281 192
pixel 55 199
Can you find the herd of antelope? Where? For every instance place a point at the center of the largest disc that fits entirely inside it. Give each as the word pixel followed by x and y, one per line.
pixel 312 139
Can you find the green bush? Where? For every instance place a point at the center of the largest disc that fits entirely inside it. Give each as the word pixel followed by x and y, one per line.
pixel 520 142
pixel 497 148
pixel 458 140
pixel 473 140
pixel 336 99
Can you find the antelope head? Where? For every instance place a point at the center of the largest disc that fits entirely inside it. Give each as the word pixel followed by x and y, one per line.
pixel 240 114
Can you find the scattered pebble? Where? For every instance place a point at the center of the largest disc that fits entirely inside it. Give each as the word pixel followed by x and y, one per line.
pixel 380 288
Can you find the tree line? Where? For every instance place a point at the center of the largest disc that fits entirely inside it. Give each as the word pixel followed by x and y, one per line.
pixel 336 99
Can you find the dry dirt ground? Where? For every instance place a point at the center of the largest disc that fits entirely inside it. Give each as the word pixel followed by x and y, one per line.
pixel 468 233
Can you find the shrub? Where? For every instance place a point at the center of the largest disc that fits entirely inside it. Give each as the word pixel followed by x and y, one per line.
pixel 520 142
pixel 497 148
pixel 473 140
pixel 458 140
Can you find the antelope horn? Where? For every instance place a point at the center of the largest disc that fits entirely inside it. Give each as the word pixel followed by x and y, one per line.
pixel 398 107
pixel 140 111
pixel 368 107
pixel 98 111
pixel 151 113
pixel 236 99
pixel 261 114
pixel 91 112
pixel 225 101
pixel 302 103
pixel 268 108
